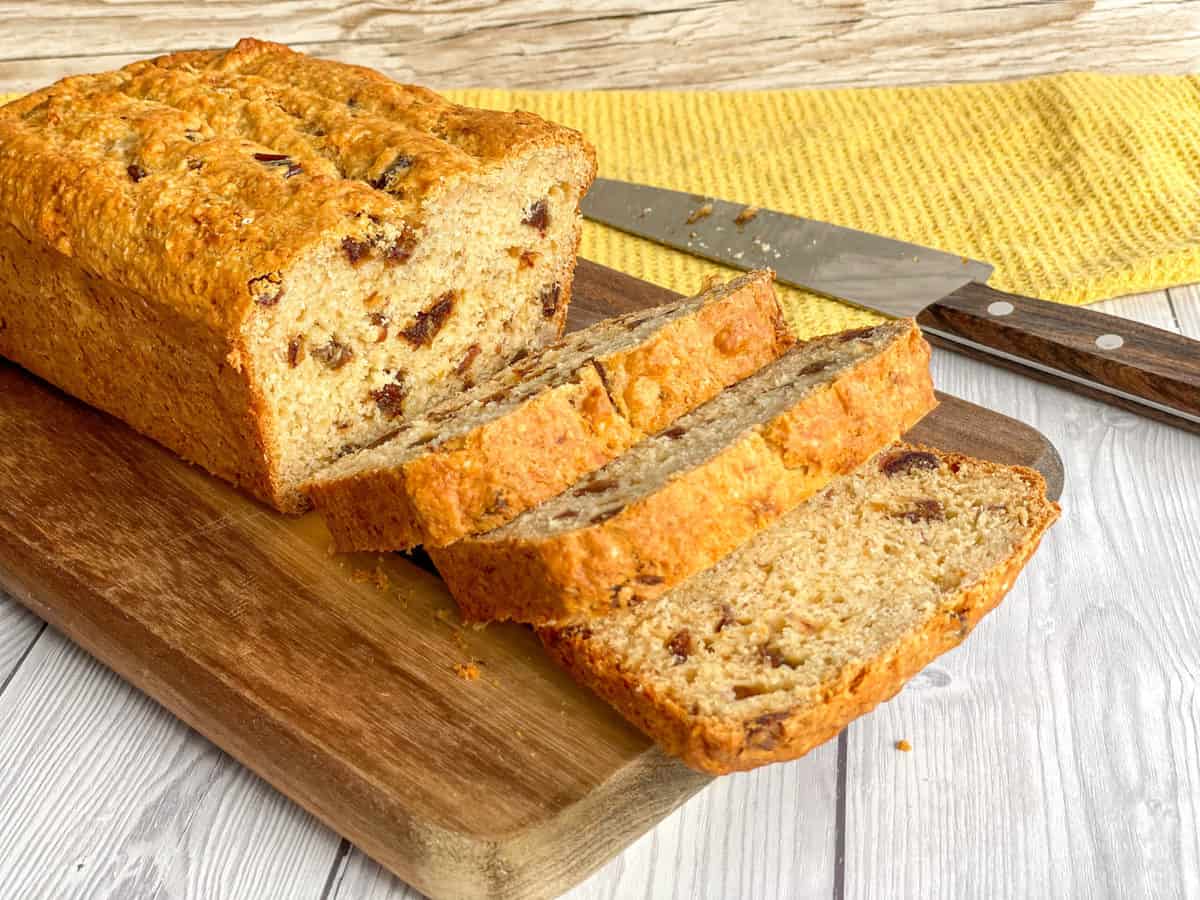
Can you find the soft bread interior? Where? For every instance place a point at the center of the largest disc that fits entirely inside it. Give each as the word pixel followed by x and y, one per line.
pixel 830 587
pixel 514 385
pixel 360 341
pixel 700 435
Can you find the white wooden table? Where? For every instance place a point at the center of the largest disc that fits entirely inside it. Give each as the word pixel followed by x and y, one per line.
pixel 1057 753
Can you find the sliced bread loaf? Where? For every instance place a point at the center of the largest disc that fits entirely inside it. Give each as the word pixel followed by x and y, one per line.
pixel 818 619
pixel 541 424
pixel 259 258
pixel 677 502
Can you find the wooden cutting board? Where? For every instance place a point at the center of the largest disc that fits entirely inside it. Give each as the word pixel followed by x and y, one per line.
pixel 334 678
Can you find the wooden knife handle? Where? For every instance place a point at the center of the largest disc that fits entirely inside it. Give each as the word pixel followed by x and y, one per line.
pixel 1134 366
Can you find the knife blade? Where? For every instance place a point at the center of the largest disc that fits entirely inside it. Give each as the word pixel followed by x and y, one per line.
pixel 1134 366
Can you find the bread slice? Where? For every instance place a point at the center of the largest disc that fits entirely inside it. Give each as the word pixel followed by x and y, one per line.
pixel 261 259
pixel 540 425
pixel 818 619
pixel 677 502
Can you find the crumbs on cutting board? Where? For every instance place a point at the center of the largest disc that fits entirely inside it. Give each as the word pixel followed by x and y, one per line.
pixel 377 576
pixel 699 213
pixel 903 746
pixel 467 671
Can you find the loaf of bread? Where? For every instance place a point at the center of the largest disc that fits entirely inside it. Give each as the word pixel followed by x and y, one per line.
pixel 264 260
pixel 819 618
pixel 538 426
pixel 677 502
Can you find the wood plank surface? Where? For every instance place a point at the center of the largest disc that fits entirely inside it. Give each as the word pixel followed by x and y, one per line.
pixel 1055 755
pixel 87 832
pixel 19 628
pixel 339 691
pixel 641 43
pixel 1184 305
pixel 701 43
pixel 733 839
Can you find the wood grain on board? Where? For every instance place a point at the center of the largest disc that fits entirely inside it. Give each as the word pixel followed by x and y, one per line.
pixel 334 678
pixel 598 44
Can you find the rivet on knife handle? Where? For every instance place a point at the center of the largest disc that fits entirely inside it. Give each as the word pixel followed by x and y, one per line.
pixel 1144 369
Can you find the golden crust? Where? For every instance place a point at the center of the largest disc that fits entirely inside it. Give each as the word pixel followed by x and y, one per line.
pixel 486 477
pixel 171 191
pixel 193 382
pixel 718 746
pixel 696 357
pixel 66 150
pixel 705 512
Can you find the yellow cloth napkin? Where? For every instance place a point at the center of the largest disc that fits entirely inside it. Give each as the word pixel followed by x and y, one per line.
pixel 1076 187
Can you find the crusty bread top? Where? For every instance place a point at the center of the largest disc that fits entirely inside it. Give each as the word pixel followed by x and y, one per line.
pixel 190 177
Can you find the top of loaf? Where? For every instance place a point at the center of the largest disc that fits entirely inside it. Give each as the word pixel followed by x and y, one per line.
pixel 195 177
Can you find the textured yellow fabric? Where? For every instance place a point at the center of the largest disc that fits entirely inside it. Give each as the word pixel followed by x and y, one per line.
pixel 1076 187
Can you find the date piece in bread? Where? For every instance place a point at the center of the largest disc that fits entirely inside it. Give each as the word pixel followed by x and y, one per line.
pixel 261 259
pixel 540 425
pixel 677 502
pixel 819 618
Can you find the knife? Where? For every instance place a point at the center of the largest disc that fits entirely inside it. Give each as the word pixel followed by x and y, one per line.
pixel 1134 366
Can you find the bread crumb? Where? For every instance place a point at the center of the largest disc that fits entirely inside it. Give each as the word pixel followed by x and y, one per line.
pixel 903 746
pixel 360 576
pixel 699 213
pixel 467 671
pixel 380 578
pixel 746 215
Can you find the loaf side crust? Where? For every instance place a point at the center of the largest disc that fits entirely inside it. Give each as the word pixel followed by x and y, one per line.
pixel 486 477
pixel 719 746
pixel 702 515
pixel 183 373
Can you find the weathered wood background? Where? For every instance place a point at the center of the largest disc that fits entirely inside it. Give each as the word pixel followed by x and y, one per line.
pixel 1057 753
pixel 593 44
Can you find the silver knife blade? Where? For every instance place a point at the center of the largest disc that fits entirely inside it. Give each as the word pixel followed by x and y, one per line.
pixel 889 276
